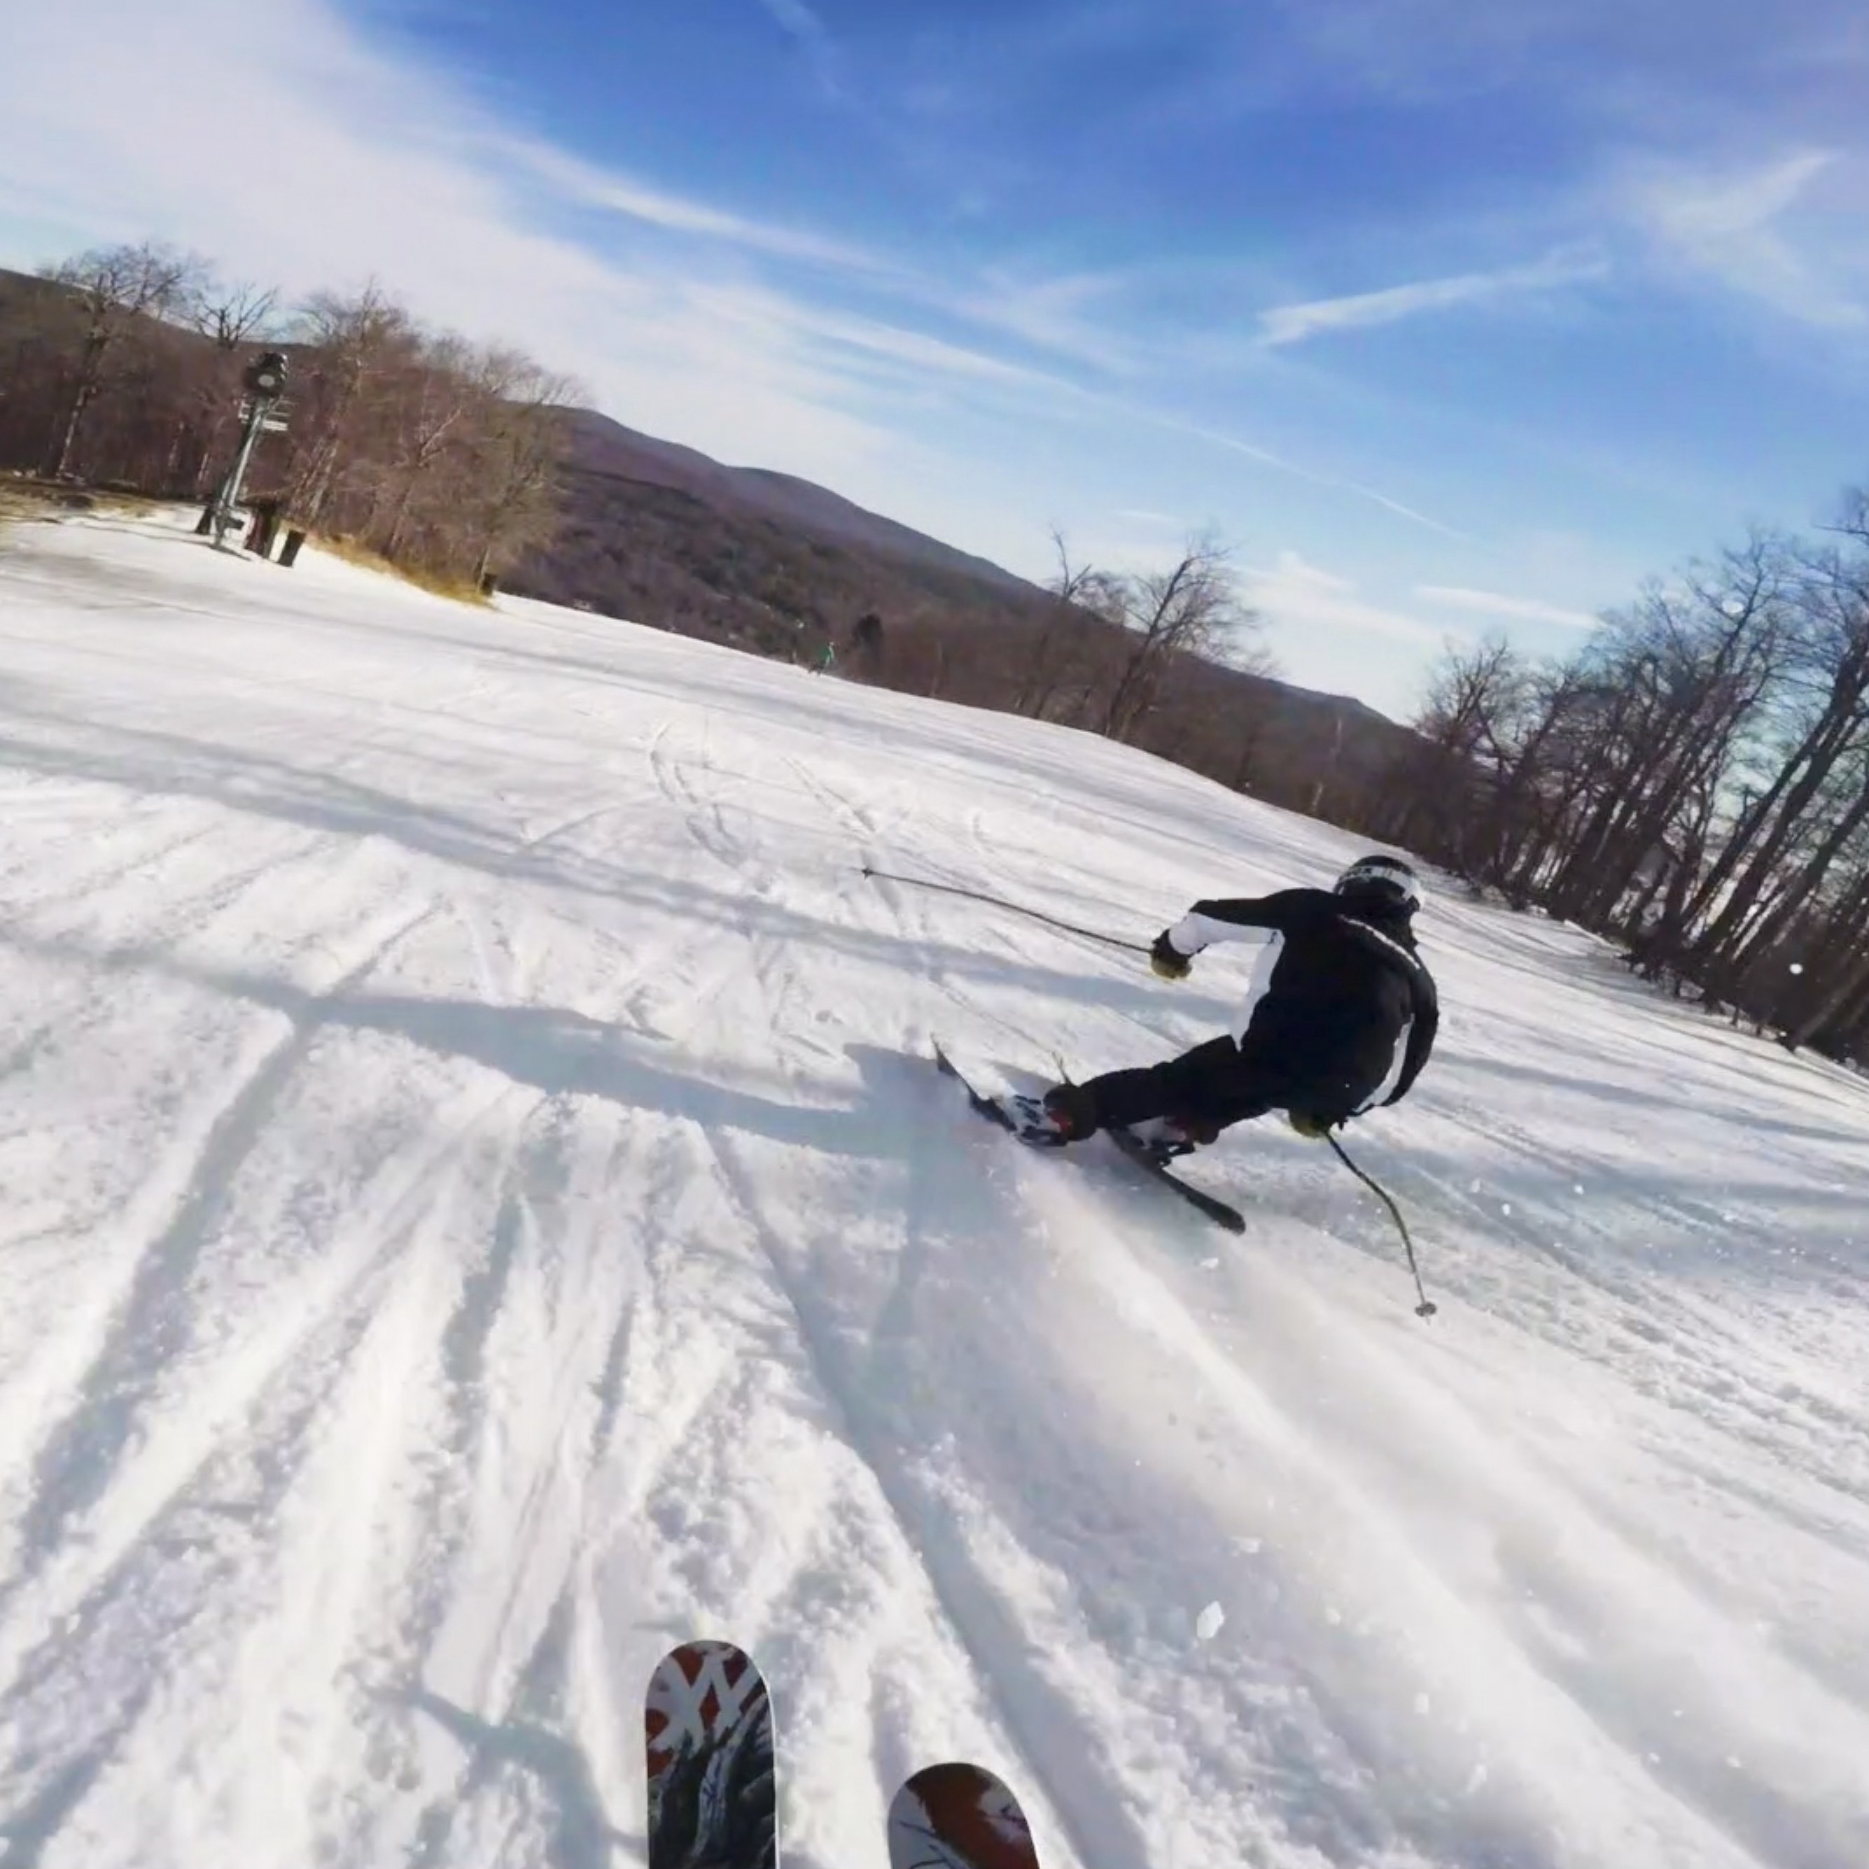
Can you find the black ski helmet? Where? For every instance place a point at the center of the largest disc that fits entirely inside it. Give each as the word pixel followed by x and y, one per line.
pixel 1386 882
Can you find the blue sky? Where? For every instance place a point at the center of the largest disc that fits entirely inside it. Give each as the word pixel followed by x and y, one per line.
pixel 1450 317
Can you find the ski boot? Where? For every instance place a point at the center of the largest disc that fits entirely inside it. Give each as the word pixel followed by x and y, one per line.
pixel 1166 1137
pixel 1058 1117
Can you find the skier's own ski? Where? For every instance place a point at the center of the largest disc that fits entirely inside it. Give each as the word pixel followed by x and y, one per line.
pixel 713 1799
pixel 1216 1210
pixel 958 1816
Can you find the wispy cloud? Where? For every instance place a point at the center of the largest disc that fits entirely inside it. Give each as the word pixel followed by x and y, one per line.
pixel 813 38
pixel 1051 313
pixel 755 340
pixel 1717 64
pixel 1293 591
pixel 1425 51
pixel 1494 603
pixel 582 183
pixel 1232 444
pixel 1294 324
pixel 393 173
pixel 918 350
pixel 1735 226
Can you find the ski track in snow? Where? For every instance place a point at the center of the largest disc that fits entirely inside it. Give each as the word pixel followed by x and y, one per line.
pixel 477 1211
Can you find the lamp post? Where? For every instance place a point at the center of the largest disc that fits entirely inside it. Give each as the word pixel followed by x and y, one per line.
pixel 265 381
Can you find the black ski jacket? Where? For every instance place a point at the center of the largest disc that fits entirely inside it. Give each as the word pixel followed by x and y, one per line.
pixel 1341 999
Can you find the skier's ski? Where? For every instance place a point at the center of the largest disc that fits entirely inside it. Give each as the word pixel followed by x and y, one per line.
pixel 1137 1151
pixel 982 1103
pixel 1145 1158
pixel 958 1816
pixel 1211 1205
pixel 713 1799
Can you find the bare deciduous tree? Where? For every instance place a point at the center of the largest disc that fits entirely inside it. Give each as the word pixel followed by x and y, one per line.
pixel 112 287
pixel 1192 608
pixel 229 315
pixel 1055 678
pixel 126 364
pixel 347 343
pixel 520 447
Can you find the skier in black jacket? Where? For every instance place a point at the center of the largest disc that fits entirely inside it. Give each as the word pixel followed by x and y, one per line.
pixel 1342 1018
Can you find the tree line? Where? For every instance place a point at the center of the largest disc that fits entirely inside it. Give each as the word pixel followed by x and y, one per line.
pixel 1693 782
pixel 121 367
pixel 1101 650
pixel 1171 659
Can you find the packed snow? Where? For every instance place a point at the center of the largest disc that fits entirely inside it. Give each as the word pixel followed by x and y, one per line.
pixel 477 1210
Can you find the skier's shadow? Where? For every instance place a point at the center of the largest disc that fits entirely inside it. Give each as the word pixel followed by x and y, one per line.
pixel 582 1835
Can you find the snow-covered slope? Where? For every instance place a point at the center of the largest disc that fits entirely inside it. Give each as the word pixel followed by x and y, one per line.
pixel 475 1210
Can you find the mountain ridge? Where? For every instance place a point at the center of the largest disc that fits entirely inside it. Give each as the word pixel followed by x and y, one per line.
pixel 600 444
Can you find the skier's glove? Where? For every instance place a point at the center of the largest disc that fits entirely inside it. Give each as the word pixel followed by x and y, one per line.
pixel 1166 961
pixel 1313 1128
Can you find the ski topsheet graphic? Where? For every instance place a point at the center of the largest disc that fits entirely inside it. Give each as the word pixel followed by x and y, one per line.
pixel 713 1801
pixel 958 1816
pixel 713 1794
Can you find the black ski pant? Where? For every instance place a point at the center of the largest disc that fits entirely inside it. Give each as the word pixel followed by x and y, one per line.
pixel 1215 1085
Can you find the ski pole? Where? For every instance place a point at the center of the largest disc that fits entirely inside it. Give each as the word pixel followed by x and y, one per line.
pixel 1013 908
pixel 1425 1308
